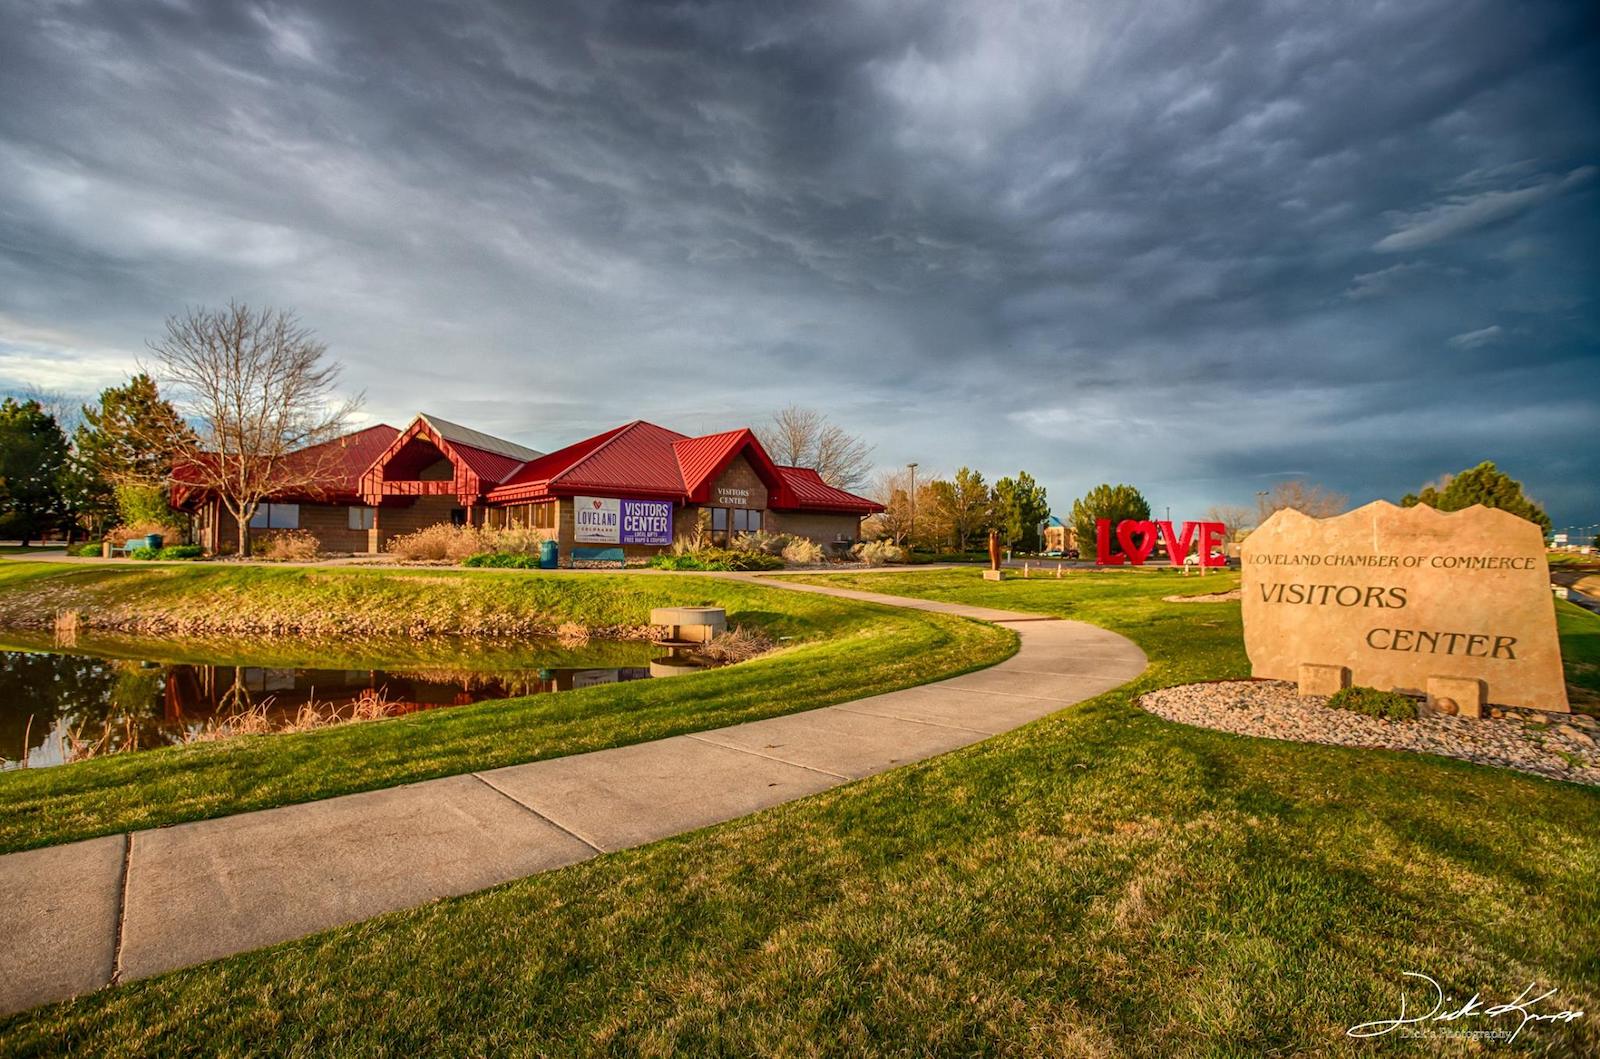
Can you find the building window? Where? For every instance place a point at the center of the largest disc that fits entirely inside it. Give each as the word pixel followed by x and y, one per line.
pixel 729 522
pixel 276 516
pixel 538 516
pixel 362 518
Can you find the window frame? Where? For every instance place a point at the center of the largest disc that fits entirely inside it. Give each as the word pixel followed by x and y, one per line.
pixel 266 517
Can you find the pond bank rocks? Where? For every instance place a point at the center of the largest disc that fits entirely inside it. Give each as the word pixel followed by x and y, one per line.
pixel 1558 746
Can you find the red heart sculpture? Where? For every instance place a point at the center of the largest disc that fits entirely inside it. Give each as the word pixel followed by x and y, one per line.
pixel 1127 530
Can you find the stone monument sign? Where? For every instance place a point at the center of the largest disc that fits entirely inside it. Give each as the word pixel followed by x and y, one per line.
pixel 1406 599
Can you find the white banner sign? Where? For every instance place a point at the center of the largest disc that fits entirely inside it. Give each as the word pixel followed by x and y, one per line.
pixel 596 519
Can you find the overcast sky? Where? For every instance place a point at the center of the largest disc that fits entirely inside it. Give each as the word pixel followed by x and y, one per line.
pixel 1198 247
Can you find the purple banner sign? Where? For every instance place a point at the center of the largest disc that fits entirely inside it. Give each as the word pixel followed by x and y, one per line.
pixel 646 522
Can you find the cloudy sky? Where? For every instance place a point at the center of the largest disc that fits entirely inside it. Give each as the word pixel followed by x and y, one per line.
pixel 1196 246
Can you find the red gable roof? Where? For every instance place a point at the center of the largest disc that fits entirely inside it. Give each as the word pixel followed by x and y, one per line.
pixel 703 458
pixel 643 459
pixel 356 453
pixel 348 458
pixel 480 461
pixel 595 463
pixel 807 490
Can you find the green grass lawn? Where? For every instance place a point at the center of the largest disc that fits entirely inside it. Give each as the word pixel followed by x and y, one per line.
pixel 836 651
pixel 1100 882
pixel 1580 653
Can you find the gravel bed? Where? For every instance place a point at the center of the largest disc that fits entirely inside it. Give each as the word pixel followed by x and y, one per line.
pixel 1558 745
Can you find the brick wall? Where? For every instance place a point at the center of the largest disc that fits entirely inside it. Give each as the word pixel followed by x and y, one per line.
pixel 398 515
pixel 740 475
pixel 329 523
pixel 822 528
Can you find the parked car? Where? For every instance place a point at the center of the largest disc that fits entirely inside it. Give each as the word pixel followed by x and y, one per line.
pixel 1216 557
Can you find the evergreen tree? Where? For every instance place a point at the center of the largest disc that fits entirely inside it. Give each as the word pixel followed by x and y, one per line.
pixel 33 457
pixel 130 436
pixel 1020 507
pixel 1484 484
pixel 1114 502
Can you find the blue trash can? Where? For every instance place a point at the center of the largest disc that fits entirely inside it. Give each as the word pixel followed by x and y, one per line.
pixel 153 541
pixel 549 555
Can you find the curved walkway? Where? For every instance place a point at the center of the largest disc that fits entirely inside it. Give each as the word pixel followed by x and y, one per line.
pixel 81 916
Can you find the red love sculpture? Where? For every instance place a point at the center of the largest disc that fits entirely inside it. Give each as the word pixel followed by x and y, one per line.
pixel 1212 534
pixel 1137 539
pixel 1177 545
pixel 1145 530
pixel 1103 555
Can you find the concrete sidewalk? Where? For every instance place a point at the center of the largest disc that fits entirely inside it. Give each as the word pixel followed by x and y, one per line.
pixel 78 917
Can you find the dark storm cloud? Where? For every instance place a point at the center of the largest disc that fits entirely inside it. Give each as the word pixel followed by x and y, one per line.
pixel 1193 246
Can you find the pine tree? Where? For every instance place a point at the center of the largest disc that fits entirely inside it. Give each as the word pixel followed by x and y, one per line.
pixel 1484 484
pixel 33 457
pixel 1114 502
pixel 128 437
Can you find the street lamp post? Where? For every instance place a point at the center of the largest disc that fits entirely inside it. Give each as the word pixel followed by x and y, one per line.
pixel 912 529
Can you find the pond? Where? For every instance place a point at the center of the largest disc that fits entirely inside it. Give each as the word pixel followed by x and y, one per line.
pixel 108 694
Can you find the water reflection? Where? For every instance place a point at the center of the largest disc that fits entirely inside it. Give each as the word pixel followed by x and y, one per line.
pixel 60 704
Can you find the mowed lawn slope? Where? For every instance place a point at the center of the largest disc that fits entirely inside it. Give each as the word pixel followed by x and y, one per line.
pixel 1100 882
pixel 833 651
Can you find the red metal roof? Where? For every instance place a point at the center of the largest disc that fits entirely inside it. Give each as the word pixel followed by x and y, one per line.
pixel 492 459
pixel 702 458
pixel 643 459
pixel 357 451
pixel 807 490
pixel 634 459
pixel 350 455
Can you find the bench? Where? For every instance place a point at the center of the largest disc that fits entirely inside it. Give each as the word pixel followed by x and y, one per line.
pixel 599 555
pixel 129 546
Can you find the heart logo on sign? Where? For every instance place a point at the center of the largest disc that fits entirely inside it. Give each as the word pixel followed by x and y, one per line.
pixel 596 504
pixel 1145 531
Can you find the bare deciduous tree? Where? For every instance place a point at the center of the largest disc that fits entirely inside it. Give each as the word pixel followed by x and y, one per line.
pixel 892 489
pixel 1236 519
pixel 1304 497
pixel 258 393
pixel 803 437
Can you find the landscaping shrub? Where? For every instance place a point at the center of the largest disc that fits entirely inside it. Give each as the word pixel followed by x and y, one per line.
pixel 676 560
pixel 803 551
pixel 143 528
pixel 91 550
pixel 877 553
pixel 500 560
pixel 747 561
pixel 514 540
pixel 142 553
pixel 716 559
pixel 287 545
pixel 761 541
pixel 442 540
pixel 181 551
pixel 1387 705
pixel 139 503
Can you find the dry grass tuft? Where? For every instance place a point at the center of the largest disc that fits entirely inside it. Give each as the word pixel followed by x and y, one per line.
pixel 287 546
pixel 738 644
pixel 439 541
pixel 68 623
pixel 572 634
